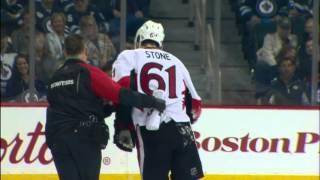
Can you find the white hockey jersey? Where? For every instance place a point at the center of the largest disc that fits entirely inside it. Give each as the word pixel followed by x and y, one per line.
pixel 156 69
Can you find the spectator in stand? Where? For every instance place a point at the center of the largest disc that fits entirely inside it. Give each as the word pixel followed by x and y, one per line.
pixel 79 8
pixel 101 48
pixel 55 39
pixel 307 31
pixel 6 42
pixel 6 57
pixel 265 73
pixel 287 89
pixel 104 6
pixel 20 37
pixel 266 67
pixel 6 74
pixel 302 25
pixel 308 27
pixel 64 3
pixel 18 85
pixel 55 43
pixel 6 70
pixel 24 3
pixel 305 60
pixel 41 53
pixel 135 18
pixel 300 7
pixel 144 6
pixel 305 66
pixel 254 12
pixel 274 42
pixel 11 12
pixel 44 11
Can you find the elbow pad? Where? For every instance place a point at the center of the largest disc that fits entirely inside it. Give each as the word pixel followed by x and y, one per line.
pixel 139 100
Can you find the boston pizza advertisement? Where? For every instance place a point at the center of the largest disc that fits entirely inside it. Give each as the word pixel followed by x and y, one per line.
pixel 244 143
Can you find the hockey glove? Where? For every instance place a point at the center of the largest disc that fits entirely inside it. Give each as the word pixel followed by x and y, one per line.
pixel 124 136
pixel 124 139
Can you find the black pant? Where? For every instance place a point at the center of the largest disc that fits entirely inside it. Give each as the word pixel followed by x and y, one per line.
pixel 170 149
pixel 76 157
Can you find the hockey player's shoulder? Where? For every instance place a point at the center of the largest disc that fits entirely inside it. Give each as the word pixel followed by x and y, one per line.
pixel 173 57
pixel 127 53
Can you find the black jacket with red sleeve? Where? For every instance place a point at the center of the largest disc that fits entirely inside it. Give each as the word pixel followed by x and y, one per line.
pixel 75 95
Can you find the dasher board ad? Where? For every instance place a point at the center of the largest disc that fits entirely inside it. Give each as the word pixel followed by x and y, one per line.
pixel 231 142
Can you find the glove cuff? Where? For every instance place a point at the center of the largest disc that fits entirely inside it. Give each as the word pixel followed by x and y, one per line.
pixel 120 126
pixel 196 109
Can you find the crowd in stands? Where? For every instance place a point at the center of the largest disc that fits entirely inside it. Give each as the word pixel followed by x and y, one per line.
pixel 277 43
pixel 98 21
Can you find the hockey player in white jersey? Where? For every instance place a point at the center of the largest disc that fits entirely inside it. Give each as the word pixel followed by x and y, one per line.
pixel 165 142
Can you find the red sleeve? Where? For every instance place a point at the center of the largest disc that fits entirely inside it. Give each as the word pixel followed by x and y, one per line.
pixel 102 85
pixel 125 82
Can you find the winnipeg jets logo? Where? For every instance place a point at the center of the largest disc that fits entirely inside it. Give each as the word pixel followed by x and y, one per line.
pixel 266 8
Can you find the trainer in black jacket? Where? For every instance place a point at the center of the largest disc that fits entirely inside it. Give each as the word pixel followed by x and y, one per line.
pixel 75 128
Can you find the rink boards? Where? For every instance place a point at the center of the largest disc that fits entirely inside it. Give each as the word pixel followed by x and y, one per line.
pixel 234 143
